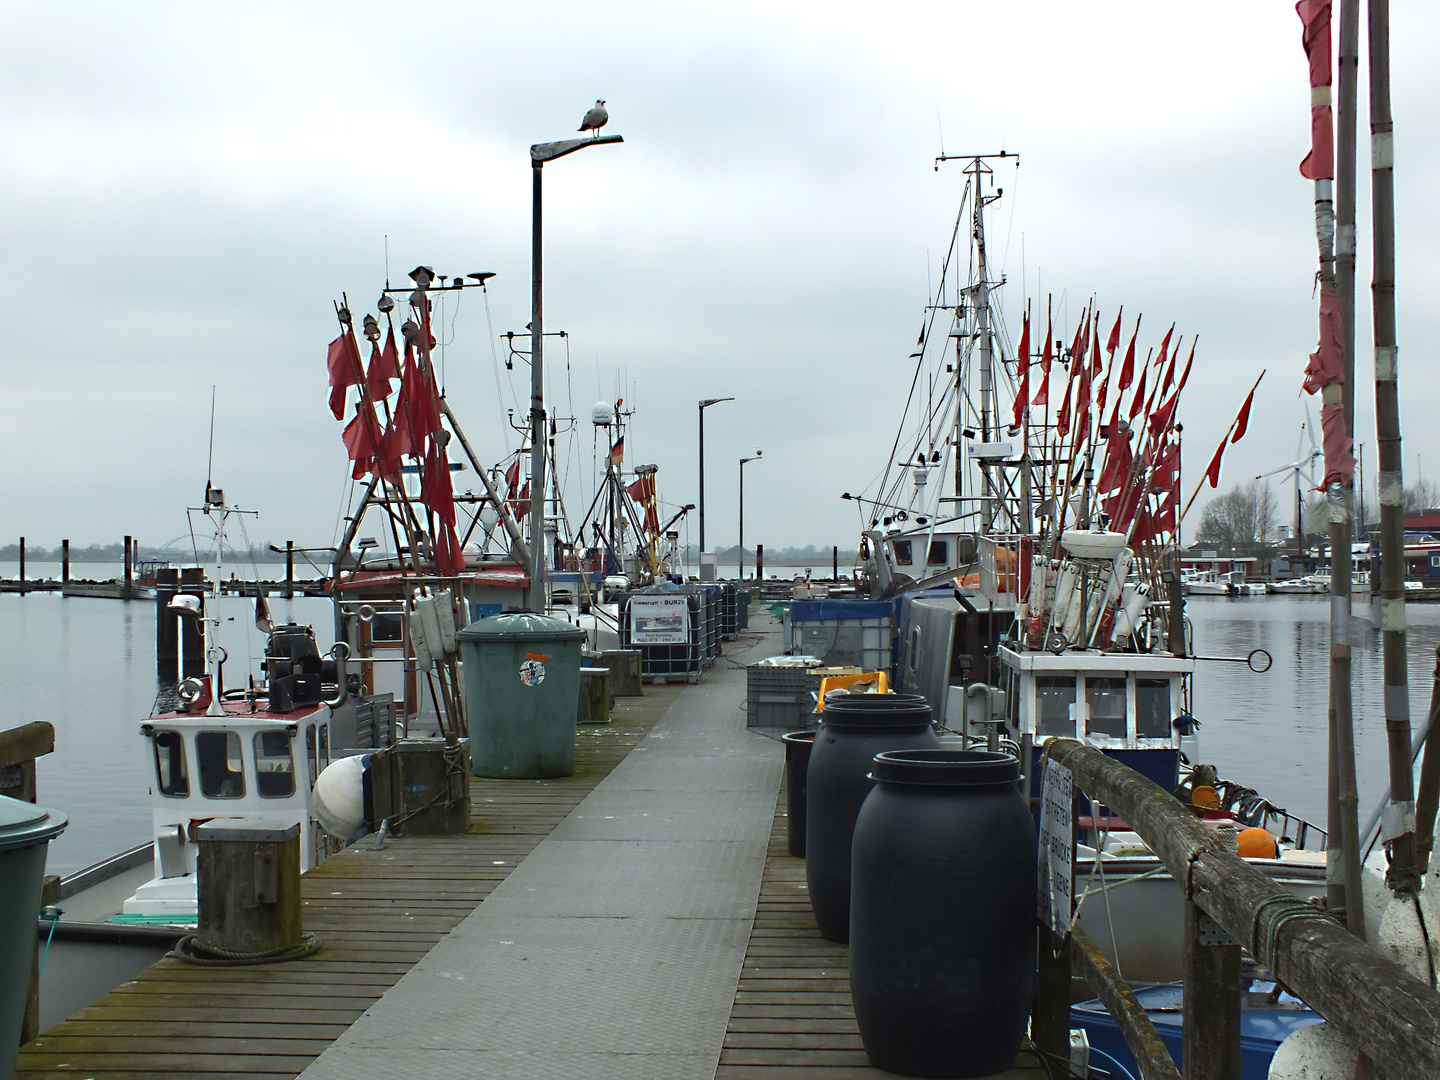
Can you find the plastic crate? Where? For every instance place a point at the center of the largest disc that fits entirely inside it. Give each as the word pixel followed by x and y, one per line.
pixel 779 696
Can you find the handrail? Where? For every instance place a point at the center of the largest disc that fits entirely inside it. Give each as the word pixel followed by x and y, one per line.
pixel 1389 1013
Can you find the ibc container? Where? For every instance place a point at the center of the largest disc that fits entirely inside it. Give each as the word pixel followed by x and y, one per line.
pixel 844 633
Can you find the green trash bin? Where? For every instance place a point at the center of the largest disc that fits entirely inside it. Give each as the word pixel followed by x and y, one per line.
pixel 25 832
pixel 522 691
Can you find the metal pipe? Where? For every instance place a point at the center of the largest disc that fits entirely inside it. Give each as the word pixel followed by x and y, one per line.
pixel 537 397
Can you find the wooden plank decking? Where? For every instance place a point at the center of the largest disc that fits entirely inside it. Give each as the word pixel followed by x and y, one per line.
pixel 792 1018
pixel 378 913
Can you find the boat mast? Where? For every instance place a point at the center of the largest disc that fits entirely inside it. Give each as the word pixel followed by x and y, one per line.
pixel 982 328
pixel 979 292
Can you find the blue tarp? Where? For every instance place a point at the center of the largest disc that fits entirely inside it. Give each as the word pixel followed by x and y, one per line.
pixel 824 610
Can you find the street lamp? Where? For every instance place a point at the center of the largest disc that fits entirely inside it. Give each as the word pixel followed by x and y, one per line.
pixel 540 153
pixel 705 404
pixel 743 460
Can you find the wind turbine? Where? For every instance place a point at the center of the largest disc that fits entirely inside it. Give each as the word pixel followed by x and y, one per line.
pixel 1302 467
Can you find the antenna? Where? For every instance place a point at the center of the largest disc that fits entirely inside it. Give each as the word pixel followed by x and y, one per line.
pixel 213 495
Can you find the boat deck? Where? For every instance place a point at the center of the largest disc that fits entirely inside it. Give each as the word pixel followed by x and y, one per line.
pixel 639 919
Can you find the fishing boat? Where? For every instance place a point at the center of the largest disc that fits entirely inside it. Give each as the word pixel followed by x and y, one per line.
pixel 466 551
pixel 1039 596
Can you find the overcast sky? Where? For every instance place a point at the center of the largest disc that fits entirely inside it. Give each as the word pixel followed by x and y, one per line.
pixel 185 189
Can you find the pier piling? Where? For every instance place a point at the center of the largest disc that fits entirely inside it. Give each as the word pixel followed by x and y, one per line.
pixel 289 569
pixel 759 562
pixel 65 562
pixel 22 566
pixel 126 588
pixel 192 640
pixel 167 627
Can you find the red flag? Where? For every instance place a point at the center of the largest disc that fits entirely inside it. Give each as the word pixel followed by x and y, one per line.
pixel 1114 342
pixel 1164 349
pixel 1082 338
pixel 1170 370
pixel 1127 369
pixel 1319 163
pixel 1243 420
pixel 359 440
pixel 1062 421
pixel 1138 401
pixel 1042 396
pixel 1339 462
pixel 417 409
pixel 1327 362
pixel 1185 375
pixel 436 489
pixel 643 492
pixel 343 361
pixel 1022 370
pixel 1118 458
pixel 512 478
pixel 384 366
pixel 1163 418
pixel 1096 365
pixel 1212 473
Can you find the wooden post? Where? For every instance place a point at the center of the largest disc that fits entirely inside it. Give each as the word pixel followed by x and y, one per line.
pixel 22 566
pixel 289 569
pixel 125 592
pixel 248 886
pixel 1211 1033
pixel 167 628
pixel 835 562
pixel 65 561
pixel 759 563
pixel 1050 1017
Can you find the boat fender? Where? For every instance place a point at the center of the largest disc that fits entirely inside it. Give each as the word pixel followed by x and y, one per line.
pixel 423 656
pixel 445 615
pixel 340 798
pixel 426 611
pixel 1064 592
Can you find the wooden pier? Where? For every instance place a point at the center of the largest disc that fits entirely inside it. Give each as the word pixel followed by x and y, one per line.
pixel 792 1018
pixel 378 913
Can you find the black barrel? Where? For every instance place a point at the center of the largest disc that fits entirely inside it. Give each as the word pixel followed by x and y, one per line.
pixel 852 731
pixel 942 917
pixel 798 745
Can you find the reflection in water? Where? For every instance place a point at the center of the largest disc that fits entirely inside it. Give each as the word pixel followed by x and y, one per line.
pixel 88 667
pixel 1271 731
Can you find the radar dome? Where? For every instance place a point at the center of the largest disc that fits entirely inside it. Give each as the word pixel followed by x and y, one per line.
pixel 602 414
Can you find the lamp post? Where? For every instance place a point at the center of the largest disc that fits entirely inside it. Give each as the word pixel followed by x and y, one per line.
pixel 705 404
pixel 540 153
pixel 743 460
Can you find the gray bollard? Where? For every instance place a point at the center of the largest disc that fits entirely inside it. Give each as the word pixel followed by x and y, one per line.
pixel 249 888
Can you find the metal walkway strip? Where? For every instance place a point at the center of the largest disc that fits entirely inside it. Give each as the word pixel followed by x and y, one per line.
pixel 615 949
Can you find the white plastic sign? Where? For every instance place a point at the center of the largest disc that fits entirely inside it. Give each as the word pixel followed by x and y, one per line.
pixel 1057 847
pixel 659 620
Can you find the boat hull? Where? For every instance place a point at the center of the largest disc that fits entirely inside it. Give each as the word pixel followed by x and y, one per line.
pixel 1148 913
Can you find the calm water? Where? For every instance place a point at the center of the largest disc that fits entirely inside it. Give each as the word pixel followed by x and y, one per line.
pixel 87 666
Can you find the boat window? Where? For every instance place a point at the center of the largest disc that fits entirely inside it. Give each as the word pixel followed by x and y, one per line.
pixel 324 746
pixel 274 765
pixel 222 770
pixel 1106 701
pixel 902 552
pixel 939 553
pixel 310 754
pixel 1054 694
pixel 170 764
pixel 386 627
pixel 1152 708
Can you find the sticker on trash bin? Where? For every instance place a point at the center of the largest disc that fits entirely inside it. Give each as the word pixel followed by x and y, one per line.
pixel 532 671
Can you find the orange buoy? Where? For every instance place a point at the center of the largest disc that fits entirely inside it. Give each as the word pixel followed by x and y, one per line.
pixel 1257 843
pixel 1205 797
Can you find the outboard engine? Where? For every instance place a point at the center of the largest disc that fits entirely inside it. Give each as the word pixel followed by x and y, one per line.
pixel 293 668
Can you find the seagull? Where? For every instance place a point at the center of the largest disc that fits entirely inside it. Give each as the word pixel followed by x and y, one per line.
pixel 595 119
